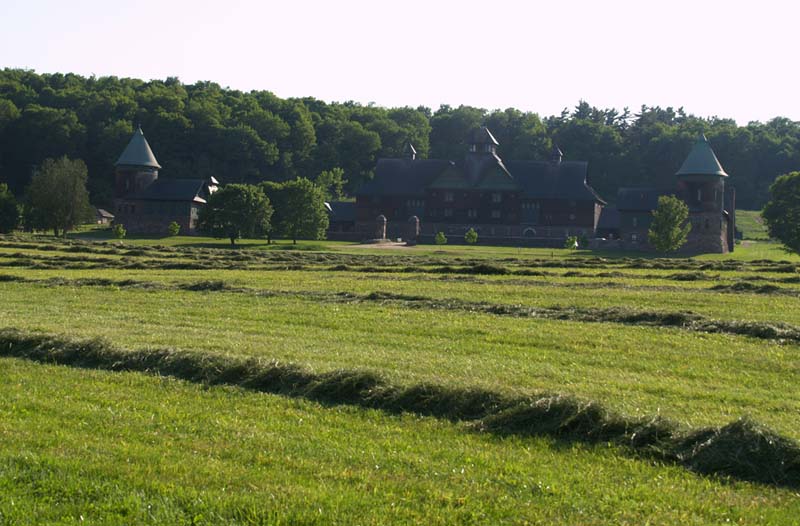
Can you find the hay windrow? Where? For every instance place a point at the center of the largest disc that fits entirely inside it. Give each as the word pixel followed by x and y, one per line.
pixel 742 450
pixel 672 319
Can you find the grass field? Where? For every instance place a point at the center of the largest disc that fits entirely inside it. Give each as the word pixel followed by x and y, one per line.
pixel 698 343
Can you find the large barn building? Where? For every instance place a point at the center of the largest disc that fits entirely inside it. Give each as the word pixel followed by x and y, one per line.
pixel 145 204
pixel 520 202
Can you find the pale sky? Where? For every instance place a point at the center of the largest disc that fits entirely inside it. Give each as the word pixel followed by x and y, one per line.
pixel 736 59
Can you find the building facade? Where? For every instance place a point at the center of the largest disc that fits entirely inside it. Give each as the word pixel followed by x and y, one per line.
pixel 145 204
pixel 519 202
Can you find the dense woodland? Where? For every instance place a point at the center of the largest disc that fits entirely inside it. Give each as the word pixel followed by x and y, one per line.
pixel 203 129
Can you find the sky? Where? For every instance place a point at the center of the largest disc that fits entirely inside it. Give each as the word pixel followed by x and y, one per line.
pixel 732 59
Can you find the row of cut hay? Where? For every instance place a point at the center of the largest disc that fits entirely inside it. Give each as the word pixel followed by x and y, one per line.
pixel 685 320
pixel 742 449
pixel 467 265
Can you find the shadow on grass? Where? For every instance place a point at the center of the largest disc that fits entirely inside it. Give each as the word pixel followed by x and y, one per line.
pixel 741 450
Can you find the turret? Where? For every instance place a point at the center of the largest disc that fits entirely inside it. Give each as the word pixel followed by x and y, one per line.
pixel 136 168
pixel 701 178
pixel 481 140
pixel 409 152
pixel 556 154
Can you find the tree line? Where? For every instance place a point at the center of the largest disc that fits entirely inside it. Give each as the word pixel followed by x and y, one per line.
pixel 203 129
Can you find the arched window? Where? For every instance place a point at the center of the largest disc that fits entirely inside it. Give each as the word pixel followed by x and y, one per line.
pixel 529 232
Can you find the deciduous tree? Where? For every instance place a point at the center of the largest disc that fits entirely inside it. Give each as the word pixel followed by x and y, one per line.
pixel 300 211
pixel 782 212
pixel 57 195
pixel 9 210
pixel 236 211
pixel 669 229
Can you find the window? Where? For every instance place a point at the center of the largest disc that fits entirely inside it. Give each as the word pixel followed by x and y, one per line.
pixel 634 238
pixel 448 197
pixel 497 197
pixel 472 212
pixel 573 204
pixel 635 222
pixel 699 194
pixel 448 212
pixel 572 217
pixel 495 214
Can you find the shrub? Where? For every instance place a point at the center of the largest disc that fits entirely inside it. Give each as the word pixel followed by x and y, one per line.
pixel 119 231
pixel 440 238
pixel 571 242
pixel 174 228
pixel 471 237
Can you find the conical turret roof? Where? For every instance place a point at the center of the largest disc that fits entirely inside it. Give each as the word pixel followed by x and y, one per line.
pixel 701 160
pixel 138 152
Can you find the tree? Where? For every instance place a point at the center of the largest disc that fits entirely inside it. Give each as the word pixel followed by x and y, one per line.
pixel 782 212
pixel 9 211
pixel 669 229
pixel 299 209
pixel 174 229
pixel 440 238
pixel 471 237
pixel 332 183
pixel 235 211
pixel 119 231
pixel 57 195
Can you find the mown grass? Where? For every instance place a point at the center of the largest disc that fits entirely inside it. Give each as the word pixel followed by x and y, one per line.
pixel 127 448
pixel 700 379
pixel 751 225
pixel 406 316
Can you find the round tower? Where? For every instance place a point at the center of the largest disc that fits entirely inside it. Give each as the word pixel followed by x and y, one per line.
pixel 136 168
pixel 701 179
pixel 701 185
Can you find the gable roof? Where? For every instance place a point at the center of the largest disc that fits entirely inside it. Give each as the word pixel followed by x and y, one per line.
pixel 193 190
pixel 138 152
pixel 482 135
pixel 546 180
pixel 640 199
pixel 342 211
pixel 701 160
pixel 535 179
pixel 403 177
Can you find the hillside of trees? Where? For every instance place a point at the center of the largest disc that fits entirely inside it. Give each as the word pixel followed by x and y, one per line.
pixel 203 129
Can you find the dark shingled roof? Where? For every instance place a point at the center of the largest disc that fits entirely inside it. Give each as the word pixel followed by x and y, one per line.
pixel 342 211
pixel 138 152
pixel 173 190
pixel 403 177
pixel 545 180
pixel 609 219
pixel 536 179
pixel 482 135
pixel 640 199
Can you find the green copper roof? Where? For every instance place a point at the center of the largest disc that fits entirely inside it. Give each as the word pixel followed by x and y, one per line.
pixel 138 152
pixel 701 160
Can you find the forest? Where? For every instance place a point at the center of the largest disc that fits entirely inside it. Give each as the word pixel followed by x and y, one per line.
pixel 203 129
